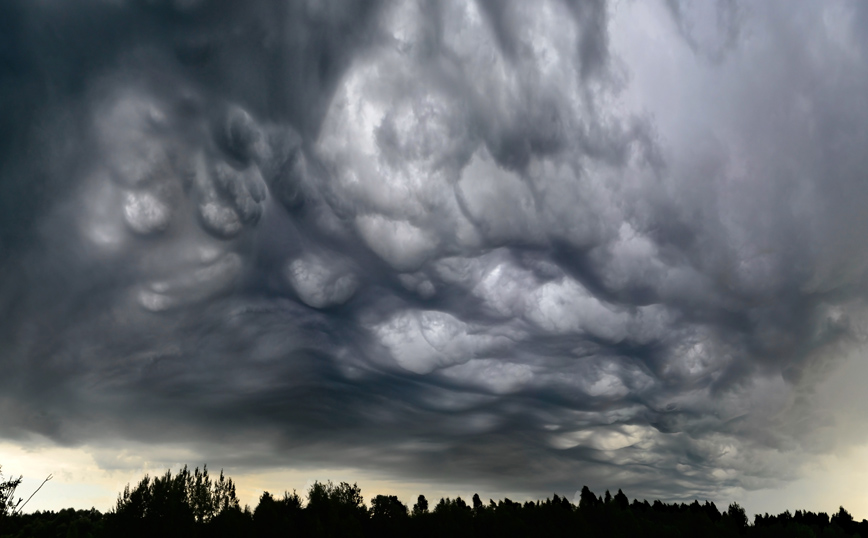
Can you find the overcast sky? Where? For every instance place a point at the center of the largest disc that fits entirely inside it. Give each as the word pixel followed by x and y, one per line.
pixel 507 246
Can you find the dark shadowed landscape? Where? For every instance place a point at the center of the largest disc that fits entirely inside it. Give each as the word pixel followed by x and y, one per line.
pixel 192 504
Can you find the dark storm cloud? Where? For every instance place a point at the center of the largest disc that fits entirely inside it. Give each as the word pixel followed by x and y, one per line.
pixel 427 238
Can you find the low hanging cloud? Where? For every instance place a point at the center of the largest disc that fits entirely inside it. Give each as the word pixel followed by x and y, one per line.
pixel 466 241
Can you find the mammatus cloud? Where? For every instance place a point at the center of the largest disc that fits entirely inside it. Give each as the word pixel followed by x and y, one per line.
pixel 457 240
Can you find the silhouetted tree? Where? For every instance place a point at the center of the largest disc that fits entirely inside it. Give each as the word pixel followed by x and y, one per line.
pixel 65 523
pixel 230 523
pixel 711 511
pixel 587 499
pixel 388 516
pixel 8 504
pixel 189 504
pixel 335 510
pixel 421 506
pixel 157 507
pixel 621 500
pixel 453 517
pixel 844 520
pixel 273 517
pixel 387 507
pixel 172 505
pixel 737 516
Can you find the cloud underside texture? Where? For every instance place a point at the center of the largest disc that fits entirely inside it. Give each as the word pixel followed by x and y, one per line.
pixel 447 240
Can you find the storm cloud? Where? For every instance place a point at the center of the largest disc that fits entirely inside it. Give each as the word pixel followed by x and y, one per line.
pixel 526 245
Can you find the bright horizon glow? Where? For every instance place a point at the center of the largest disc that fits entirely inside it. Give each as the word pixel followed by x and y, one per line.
pixel 81 484
pixel 832 481
pixel 828 482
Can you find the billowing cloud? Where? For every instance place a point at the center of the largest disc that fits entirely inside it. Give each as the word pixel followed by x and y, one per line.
pixel 532 246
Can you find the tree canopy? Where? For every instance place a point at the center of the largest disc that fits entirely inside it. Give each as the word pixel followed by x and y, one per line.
pixel 193 504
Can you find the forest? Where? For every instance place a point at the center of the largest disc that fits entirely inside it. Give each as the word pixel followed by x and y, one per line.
pixel 194 504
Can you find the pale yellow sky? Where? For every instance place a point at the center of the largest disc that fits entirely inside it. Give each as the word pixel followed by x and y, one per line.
pixel 81 479
pixel 830 481
pixel 80 482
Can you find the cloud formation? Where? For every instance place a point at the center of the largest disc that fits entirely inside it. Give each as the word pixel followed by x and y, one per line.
pixel 490 242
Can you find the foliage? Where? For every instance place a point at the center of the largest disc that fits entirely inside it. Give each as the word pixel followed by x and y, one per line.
pixel 173 505
pixel 274 517
pixel 335 510
pixel 192 504
pixel 389 516
pixel 8 504
pixel 68 523
pixel 421 506
pixel 9 507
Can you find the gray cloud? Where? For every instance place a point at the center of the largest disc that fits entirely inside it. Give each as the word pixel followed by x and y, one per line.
pixel 461 241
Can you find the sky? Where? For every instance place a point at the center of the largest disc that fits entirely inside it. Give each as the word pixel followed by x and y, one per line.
pixel 437 247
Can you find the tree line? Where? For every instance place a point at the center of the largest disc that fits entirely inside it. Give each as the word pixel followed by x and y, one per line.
pixel 193 504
